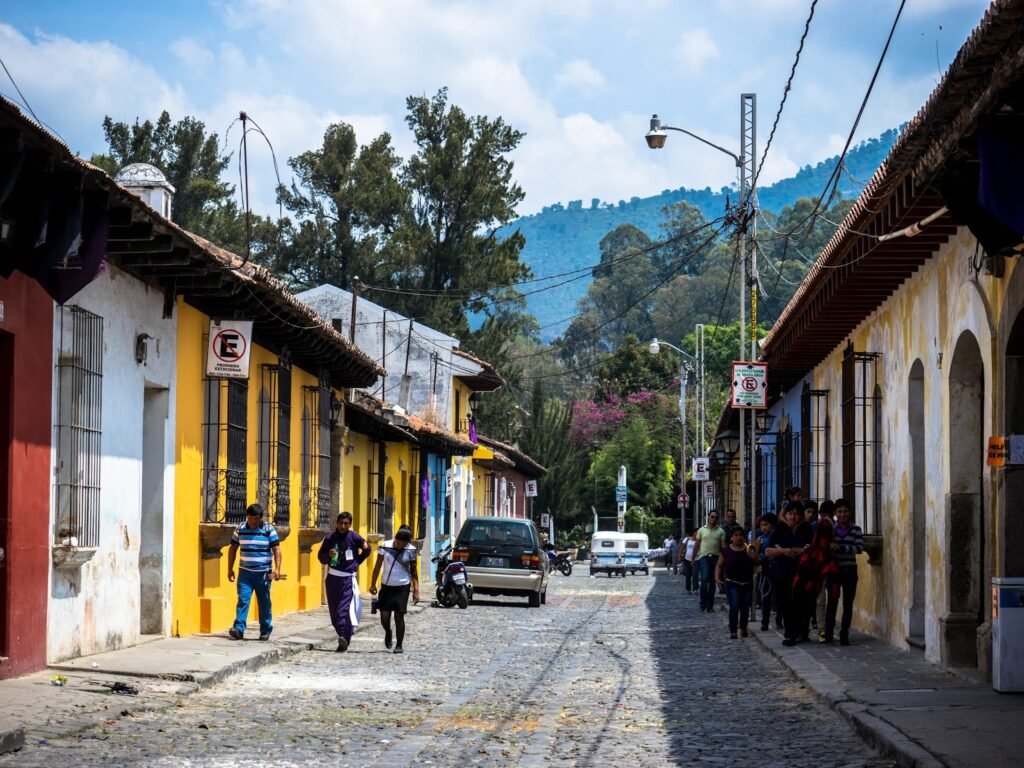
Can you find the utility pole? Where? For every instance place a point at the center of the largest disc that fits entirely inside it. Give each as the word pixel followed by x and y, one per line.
pixel 748 170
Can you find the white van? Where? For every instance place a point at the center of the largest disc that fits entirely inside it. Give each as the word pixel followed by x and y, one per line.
pixel 608 553
pixel 637 547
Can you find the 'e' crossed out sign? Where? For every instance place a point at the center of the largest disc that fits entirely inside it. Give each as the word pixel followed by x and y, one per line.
pixel 749 385
pixel 227 357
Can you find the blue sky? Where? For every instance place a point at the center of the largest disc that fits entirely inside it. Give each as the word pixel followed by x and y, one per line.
pixel 580 77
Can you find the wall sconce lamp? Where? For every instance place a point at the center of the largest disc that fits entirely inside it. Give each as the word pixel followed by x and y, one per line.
pixel 142 347
pixel 349 449
pixel 335 411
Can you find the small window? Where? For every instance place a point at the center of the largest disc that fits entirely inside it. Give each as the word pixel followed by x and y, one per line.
pixel 78 427
pixel 607 544
pixel 632 545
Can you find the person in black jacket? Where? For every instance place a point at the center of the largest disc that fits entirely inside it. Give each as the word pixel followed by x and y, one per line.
pixel 784 550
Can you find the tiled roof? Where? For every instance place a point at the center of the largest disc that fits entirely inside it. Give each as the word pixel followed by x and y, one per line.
pixel 215 281
pixel 522 462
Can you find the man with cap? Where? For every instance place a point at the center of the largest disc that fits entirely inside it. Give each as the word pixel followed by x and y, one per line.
pixel 259 564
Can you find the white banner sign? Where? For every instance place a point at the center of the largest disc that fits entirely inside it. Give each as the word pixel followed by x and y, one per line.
pixel 531 487
pixel 227 356
pixel 749 385
pixel 545 520
pixel 700 469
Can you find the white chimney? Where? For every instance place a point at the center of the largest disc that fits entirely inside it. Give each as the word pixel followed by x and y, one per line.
pixel 148 183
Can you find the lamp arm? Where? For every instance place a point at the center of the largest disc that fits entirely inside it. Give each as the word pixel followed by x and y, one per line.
pixel 733 155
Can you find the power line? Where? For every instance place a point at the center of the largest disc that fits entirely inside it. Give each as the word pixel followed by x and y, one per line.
pixel 785 95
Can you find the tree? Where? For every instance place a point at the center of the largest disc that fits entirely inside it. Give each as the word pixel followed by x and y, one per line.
pixel 193 164
pixel 686 241
pixel 350 208
pixel 460 182
pixel 631 368
pixel 545 438
pixel 650 470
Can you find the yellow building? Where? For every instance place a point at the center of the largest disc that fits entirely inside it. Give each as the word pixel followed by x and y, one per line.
pixel 273 437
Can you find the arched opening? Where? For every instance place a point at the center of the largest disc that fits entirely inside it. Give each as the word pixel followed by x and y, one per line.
pixel 388 524
pixel 1013 476
pixel 918 505
pixel 965 529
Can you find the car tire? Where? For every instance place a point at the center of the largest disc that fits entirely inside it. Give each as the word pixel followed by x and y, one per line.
pixel 544 597
pixel 534 599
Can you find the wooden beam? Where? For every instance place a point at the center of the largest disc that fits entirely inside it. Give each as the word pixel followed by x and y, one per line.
pixel 139 230
pixel 158 244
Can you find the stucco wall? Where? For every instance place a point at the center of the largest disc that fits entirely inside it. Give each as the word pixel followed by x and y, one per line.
pixel 923 321
pixel 97 607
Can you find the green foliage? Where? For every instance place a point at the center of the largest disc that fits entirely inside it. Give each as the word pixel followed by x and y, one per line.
pixel 545 438
pixel 640 520
pixel 561 238
pixel 460 181
pixel 649 468
pixel 350 208
pixel 191 160
pixel 631 368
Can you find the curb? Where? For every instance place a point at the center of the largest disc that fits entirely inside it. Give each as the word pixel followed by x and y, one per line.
pixel 14 739
pixel 831 690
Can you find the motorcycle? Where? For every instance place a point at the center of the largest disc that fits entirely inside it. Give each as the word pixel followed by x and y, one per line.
pixel 453 587
pixel 560 561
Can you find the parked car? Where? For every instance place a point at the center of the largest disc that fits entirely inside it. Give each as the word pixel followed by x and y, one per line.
pixel 504 557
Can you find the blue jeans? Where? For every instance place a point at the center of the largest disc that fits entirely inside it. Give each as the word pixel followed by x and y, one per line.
pixel 247 583
pixel 706 568
pixel 739 604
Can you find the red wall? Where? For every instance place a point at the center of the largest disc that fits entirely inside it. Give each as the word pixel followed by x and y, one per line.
pixel 25 435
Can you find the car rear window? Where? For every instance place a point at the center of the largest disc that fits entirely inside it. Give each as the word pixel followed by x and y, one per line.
pixel 495 532
pixel 632 545
pixel 607 544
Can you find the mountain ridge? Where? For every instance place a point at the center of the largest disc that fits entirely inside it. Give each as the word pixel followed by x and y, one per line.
pixel 561 238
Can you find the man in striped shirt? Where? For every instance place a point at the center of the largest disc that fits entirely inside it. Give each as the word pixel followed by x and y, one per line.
pixel 259 564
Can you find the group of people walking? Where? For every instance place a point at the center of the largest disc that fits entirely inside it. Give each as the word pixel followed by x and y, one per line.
pixel 801 565
pixel 342 551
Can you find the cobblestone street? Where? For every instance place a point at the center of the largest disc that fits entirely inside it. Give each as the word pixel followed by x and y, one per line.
pixel 609 672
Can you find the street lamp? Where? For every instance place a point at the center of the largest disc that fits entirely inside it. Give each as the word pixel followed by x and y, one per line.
pixel 686 365
pixel 746 162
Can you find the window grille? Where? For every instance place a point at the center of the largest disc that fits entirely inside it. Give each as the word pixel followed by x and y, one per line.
pixel 814 444
pixel 274 441
pixel 862 435
pixel 375 506
pixel 788 467
pixel 316 457
pixel 79 427
pixel 491 494
pixel 417 511
pixel 225 437
pixel 768 496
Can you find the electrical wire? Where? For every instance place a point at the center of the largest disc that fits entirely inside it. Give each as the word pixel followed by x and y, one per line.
pixel 828 192
pixel 785 95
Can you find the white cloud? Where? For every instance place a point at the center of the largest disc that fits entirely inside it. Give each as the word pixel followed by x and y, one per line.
pixel 695 48
pixel 579 74
pixel 193 55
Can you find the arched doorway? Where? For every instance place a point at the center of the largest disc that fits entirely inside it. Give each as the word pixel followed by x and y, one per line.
pixel 965 508
pixel 1013 476
pixel 918 505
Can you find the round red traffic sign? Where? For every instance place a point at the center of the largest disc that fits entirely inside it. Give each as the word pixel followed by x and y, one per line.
pixel 683 498
pixel 749 384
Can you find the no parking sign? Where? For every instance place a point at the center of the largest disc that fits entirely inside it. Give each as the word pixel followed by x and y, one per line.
pixel 749 385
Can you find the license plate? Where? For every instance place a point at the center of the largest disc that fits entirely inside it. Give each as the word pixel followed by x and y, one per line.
pixel 494 562
pixel 459 578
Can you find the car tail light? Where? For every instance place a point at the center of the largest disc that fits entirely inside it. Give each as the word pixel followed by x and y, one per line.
pixel 530 561
pixel 462 555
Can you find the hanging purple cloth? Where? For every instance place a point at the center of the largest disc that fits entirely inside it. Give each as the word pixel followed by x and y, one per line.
pixel 425 492
pixel 472 431
pixel 1001 152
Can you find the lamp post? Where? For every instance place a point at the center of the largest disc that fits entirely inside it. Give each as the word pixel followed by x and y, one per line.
pixel 686 365
pixel 746 162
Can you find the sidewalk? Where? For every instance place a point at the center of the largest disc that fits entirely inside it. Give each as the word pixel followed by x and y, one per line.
pixel 32 708
pixel 905 706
